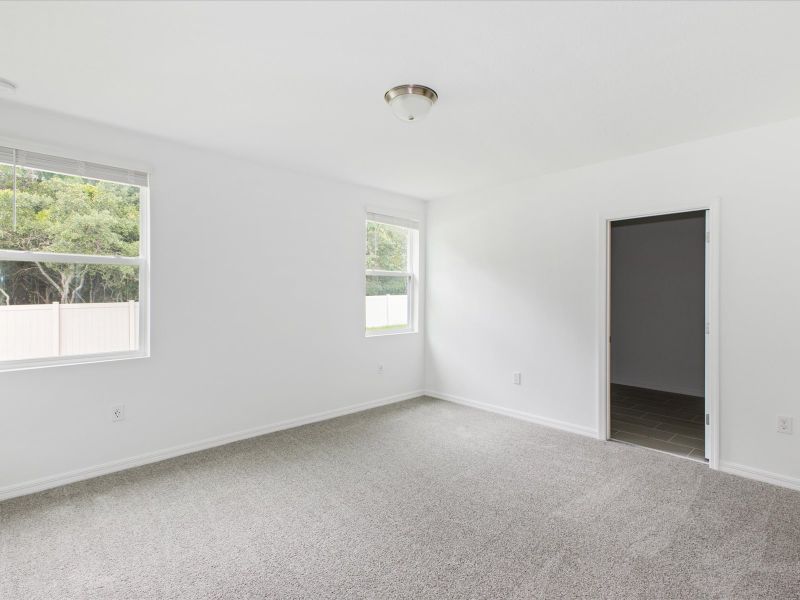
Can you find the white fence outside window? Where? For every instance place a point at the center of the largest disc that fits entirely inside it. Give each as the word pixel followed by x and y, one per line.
pixel 383 311
pixel 49 330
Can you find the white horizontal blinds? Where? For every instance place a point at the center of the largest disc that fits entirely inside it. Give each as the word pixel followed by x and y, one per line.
pixel 6 155
pixel 68 166
pixel 389 220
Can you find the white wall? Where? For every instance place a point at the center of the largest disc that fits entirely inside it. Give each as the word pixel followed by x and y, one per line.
pixel 264 230
pixel 513 277
pixel 658 303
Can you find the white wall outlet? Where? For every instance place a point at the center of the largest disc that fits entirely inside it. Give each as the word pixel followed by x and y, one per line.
pixel 784 424
pixel 517 378
pixel 380 368
pixel 118 412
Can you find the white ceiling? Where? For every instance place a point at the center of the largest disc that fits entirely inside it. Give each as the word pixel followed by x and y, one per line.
pixel 525 88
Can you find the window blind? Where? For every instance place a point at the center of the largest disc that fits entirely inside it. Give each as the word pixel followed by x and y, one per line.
pixel 6 155
pixel 389 220
pixel 68 166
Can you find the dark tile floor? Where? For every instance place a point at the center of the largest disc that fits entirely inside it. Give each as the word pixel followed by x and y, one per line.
pixel 660 420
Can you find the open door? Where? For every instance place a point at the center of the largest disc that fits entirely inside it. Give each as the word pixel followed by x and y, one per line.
pixel 658 333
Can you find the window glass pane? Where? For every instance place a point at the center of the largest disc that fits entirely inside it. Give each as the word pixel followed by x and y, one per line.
pixel 387 303
pixel 60 309
pixel 387 247
pixel 6 197
pixel 70 214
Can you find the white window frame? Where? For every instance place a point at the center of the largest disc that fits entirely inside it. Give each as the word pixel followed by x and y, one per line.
pixel 142 262
pixel 410 274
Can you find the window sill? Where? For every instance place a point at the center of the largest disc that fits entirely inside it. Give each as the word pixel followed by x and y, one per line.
pixel 65 361
pixel 375 334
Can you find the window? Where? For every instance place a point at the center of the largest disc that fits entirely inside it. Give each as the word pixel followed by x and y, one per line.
pixel 73 261
pixel 392 248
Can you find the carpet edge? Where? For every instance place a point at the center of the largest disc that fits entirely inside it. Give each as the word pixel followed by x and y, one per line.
pixel 52 481
pixel 792 483
pixel 516 414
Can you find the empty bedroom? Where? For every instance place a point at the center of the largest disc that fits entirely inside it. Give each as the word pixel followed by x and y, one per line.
pixel 420 300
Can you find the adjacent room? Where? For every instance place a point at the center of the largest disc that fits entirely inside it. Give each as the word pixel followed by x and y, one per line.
pixel 421 300
pixel 657 297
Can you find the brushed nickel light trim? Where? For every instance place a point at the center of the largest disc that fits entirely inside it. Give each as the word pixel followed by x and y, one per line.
pixel 411 88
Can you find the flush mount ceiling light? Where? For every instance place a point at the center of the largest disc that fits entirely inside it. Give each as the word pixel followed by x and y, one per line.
pixel 410 102
pixel 7 86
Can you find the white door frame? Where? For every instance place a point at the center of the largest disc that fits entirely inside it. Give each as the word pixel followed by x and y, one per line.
pixel 712 317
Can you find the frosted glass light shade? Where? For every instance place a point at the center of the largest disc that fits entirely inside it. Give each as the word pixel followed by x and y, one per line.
pixel 410 107
pixel 410 102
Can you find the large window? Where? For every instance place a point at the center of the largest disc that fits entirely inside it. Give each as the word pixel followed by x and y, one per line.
pixel 392 246
pixel 73 260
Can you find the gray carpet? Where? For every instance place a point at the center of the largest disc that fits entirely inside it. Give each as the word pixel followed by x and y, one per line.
pixel 422 499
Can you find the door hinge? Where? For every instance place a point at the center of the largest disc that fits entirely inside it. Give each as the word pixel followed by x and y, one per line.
pixel 708 328
pixel 708 419
pixel 708 237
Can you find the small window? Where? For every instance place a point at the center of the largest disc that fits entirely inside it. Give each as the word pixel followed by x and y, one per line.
pixel 73 264
pixel 392 247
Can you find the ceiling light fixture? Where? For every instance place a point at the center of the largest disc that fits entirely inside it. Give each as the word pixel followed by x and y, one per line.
pixel 410 102
pixel 7 86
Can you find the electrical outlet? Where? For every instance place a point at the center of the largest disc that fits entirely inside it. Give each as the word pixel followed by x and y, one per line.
pixel 784 425
pixel 380 368
pixel 118 413
pixel 517 378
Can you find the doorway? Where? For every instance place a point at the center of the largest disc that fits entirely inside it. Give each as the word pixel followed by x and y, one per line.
pixel 658 320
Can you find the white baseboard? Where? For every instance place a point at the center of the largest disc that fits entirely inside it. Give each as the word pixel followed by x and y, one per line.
pixel 727 467
pixel 517 414
pixel 682 391
pixel 44 483
pixel 792 483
